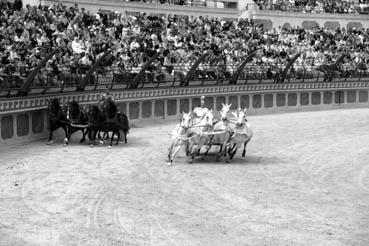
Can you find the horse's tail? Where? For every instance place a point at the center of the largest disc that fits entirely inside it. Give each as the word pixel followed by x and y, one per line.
pixel 123 122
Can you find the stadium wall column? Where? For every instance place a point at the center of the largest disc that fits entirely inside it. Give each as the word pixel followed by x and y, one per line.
pixel 298 94
pixel 152 108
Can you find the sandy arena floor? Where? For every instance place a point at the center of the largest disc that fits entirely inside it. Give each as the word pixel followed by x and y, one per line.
pixel 305 181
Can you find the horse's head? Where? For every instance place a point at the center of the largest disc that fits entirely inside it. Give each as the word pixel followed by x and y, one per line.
pixel 111 108
pixel 241 117
pixel 74 111
pixel 225 111
pixel 94 113
pixel 208 118
pixel 185 120
pixel 54 108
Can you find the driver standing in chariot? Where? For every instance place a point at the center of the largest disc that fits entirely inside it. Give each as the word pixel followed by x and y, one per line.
pixel 199 112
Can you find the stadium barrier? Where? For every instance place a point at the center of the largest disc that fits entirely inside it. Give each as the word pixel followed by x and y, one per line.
pixel 273 19
pixel 26 119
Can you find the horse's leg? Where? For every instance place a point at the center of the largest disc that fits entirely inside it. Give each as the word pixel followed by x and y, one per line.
pixel 190 155
pixel 170 152
pixel 92 136
pixel 221 151
pixel 207 150
pixel 98 135
pixel 125 136
pixel 68 133
pixel 83 135
pixel 234 151
pixel 101 141
pixel 209 146
pixel 52 128
pixel 187 145
pixel 202 142
pixel 230 150
pixel 173 142
pixel 173 154
pixel 111 140
pixel 118 132
pixel 244 148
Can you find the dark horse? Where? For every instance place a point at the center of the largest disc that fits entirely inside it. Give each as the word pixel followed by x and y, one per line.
pixel 97 122
pixel 77 122
pixel 57 118
pixel 109 112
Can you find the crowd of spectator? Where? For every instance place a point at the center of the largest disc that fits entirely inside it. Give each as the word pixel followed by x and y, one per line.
pixel 28 34
pixel 316 6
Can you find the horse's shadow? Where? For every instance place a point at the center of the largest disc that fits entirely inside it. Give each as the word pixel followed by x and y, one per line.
pixel 238 160
pixel 134 142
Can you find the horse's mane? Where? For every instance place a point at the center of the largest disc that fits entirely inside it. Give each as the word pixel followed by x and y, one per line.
pixel 94 113
pixel 55 103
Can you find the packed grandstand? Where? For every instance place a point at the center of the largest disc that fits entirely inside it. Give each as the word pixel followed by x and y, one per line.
pixel 316 6
pixel 29 33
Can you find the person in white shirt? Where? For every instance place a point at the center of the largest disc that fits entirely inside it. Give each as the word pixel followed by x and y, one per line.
pixel 77 46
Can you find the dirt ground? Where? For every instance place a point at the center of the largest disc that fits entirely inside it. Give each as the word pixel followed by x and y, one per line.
pixel 305 181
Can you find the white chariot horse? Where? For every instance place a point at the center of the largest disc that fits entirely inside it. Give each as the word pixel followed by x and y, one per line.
pixel 179 136
pixel 222 131
pixel 242 134
pixel 198 132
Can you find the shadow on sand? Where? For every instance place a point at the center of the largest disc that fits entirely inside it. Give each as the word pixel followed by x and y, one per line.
pixel 238 160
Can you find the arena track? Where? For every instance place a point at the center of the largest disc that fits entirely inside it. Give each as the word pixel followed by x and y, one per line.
pixel 305 181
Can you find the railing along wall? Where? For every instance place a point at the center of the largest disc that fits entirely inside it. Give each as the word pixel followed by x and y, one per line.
pixel 25 119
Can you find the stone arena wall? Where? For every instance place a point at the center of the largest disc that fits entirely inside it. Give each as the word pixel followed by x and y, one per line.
pixel 26 119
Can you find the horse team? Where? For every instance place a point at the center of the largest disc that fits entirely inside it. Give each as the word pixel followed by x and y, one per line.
pixel 91 121
pixel 198 128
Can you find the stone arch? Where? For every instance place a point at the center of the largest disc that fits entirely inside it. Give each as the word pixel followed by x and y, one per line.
pixel 287 25
pixel 332 25
pixel 356 25
pixel 309 24
pixel 268 24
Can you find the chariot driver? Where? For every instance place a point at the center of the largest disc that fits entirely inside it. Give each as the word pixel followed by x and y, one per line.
pixel 202 110
pixel 105 97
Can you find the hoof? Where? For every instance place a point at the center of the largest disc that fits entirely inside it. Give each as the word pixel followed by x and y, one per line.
pixel 101 142
pixel 50 142
pixel 170 163
pixel 228 160
pixel 109 147
pixel 91 145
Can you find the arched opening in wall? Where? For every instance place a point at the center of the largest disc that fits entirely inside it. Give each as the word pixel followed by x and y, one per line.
pixel 267 24
pixel 354 25
pixel 332 25
pixel 309 24
pixel 287 26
